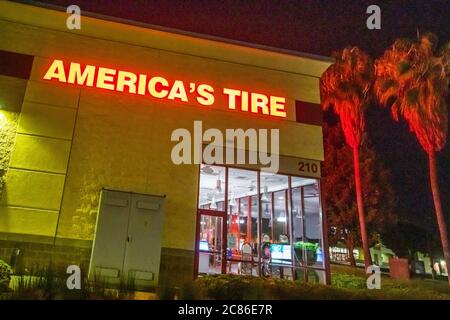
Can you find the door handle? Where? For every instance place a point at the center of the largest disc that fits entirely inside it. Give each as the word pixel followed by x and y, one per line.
pixel 129 239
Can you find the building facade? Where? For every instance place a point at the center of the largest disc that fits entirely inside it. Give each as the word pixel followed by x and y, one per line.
pixel 87 140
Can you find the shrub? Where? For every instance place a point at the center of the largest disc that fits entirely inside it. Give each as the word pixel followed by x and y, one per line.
pixel 230 287
pixel 164 292
pixel 234 287
pixel 45 283
pixel 45 286
pixel 189 291
pixel 348 281
pixel 345 287
pixel 5 275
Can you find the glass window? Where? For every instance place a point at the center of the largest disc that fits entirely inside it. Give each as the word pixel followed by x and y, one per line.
pixel 274 208
pixel 210 245
pixel 316 276
pixel 212 187
pixel 248 219
pixel 297 224
pixel 276 256
pixel 242 231
pixel 275 230
pixel 281 234
pixel 313 225
pixel 307 222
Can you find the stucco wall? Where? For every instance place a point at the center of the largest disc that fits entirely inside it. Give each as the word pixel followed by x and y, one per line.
pixel 11 95
pixel 34 182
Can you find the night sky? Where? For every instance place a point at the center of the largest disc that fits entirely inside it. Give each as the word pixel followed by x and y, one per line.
pixel 319 27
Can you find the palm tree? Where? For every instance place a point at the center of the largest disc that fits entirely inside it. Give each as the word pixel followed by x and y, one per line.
pixel 346 86
pixel 413 79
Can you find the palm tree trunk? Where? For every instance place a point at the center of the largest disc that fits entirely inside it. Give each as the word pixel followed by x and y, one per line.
pixel 359 201
pixel 431 254
pixel 438 208
pixel 351 257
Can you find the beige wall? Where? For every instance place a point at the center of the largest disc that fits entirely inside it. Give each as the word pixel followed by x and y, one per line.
pixel 72 141
pixel 34 181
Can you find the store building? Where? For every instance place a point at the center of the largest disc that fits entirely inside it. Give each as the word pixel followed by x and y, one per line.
pixel 86 171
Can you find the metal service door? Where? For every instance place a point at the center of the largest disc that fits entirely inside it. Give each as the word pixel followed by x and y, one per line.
pixel 127 244
pixel 109 245
pixel 143 250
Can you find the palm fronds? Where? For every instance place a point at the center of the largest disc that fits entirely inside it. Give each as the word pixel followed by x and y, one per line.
pixel 346 86
pixel 412 78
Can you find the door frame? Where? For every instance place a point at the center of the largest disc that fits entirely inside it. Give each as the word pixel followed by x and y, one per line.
pixel 220 214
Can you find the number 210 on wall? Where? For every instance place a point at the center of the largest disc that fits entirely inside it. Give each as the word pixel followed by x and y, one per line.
pixel 308 167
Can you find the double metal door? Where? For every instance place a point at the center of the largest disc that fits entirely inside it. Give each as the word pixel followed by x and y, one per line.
pixel 127 244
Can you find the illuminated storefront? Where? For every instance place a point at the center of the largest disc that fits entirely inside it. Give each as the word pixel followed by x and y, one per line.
pixel 87 175
pixel 272 225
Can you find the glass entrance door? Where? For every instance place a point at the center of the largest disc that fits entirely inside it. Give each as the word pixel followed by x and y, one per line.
pixel 211 241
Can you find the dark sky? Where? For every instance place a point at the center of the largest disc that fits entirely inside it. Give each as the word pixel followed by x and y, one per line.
pixel 318 27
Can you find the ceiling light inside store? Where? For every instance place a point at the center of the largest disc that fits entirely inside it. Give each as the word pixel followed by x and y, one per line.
pixel 265 196
pixel 282 217
pixel 233 202
pixel 213 203
pixel 218 185
pixel 266 209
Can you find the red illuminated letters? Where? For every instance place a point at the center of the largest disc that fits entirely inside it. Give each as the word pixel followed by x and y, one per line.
pixel 161 88
pixel 259 103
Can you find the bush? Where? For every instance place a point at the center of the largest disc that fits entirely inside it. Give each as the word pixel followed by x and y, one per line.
pixel 345 287
pixel 235 287
pixel 230 287
pixel 5 275
pixel 45 285
pixel 48 283
pixel 164 292
pixel 189 291
pixel 348 281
